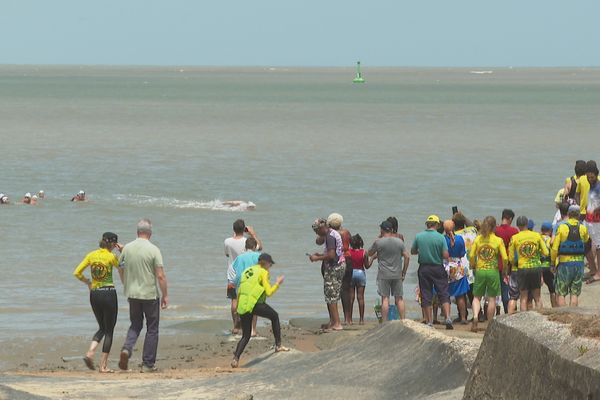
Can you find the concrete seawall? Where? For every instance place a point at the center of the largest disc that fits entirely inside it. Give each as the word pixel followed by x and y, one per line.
pixel 526 356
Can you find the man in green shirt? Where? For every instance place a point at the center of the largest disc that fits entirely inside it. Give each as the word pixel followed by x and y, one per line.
pixel 144 275
pixel 432 249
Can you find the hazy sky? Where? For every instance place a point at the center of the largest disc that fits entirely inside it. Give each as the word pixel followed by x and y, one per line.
pixel 308 32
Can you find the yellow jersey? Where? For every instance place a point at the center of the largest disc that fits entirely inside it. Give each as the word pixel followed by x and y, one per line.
pixel 583 188
pixel 486 251
pixel 526 249
pixel 254 288
pixel 101 262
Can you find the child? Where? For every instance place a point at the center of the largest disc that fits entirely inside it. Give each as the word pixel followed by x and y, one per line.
pixel 360 262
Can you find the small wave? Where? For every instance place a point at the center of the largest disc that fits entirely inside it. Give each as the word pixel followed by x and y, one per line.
pixel 481 72
pixel 171 202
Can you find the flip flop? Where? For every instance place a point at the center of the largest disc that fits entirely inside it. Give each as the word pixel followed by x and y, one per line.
pixel 89 363
pixel 592 280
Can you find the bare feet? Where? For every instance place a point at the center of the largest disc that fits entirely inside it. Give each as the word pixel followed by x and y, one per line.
pixel 474 327
pixel 106 371
pixel 235 331
pixel 89 362
pixel 279 349
pixel 235 363
pixel 361 322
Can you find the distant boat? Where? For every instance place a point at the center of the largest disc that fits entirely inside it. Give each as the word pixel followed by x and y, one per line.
pixel 358 78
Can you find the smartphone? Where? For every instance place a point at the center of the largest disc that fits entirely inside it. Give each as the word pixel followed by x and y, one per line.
pixel 454 210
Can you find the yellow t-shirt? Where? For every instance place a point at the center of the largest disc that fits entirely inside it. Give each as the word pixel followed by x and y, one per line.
pixel 562 233
pixel 526 248
pixel 254 288
pixel 101 262
pixel 485 251
pixel 583 188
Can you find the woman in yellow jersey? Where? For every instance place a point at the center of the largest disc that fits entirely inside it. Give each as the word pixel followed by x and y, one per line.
pixel 483 258
pixel 252 293
pixel 103 296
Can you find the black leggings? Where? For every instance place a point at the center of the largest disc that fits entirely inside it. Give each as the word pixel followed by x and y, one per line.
pixel 105 307
pixel 548 279
pixel 262 310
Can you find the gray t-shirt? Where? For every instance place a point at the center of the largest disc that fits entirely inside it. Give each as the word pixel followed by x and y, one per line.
pixel 389 257
pixel 140 259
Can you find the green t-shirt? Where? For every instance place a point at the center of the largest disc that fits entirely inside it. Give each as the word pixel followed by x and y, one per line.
pixel 430 246
pixel 140 259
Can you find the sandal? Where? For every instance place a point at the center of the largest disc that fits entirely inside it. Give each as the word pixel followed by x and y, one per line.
pixel 592 280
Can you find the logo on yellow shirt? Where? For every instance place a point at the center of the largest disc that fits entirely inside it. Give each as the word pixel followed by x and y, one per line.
pixel 528 249
pixel 487 253
pixel 99 271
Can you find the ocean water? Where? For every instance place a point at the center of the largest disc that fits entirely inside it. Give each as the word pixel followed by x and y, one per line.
pixel 172 144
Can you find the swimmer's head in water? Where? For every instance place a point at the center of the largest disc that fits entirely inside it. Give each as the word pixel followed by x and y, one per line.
pixel 27 196
pixel 335 221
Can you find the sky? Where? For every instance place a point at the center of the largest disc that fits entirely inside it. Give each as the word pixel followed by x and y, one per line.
pixel 301 33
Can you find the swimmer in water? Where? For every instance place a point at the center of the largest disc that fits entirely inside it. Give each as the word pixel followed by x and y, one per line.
pixel 239 203
pixel 79 196
pixel 27 198
pixel 34 200
pixel 41 194
pixel 4 199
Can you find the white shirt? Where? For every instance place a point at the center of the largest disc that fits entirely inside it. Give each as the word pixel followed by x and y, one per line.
pixel 233 248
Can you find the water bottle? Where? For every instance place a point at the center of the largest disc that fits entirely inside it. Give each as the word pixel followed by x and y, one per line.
pixel 378 313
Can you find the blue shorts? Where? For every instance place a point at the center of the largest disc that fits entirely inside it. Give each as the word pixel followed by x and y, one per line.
pixel 359 278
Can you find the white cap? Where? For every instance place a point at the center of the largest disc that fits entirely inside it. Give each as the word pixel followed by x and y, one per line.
pixel 34 196
pixel 28 195
pixel 41 192
pixel 81 192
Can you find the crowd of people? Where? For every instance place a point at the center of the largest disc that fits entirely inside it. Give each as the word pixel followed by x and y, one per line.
pixel 483 266
pixel 32 200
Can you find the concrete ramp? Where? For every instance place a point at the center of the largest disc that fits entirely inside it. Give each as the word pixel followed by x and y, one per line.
pixel 526 356
pixel 396 361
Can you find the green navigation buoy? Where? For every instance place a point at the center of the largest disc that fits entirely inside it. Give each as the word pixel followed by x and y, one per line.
pixel 358 78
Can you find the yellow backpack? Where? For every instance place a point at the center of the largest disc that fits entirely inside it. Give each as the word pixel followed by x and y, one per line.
pixel 250 290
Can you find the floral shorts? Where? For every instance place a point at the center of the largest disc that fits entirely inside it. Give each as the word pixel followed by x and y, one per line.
pixel 332 282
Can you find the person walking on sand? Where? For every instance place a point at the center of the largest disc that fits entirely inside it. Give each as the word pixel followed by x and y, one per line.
pixel 485 255
pixel 144 276
pixel 255 287
pixel 333 268
pixel 103 296
pixel 247 259
pixel 335 222
pixel 568 253
pixel 526 250
pixel 432 249
pixel 390 252
pixel 234 246
pixel 360 263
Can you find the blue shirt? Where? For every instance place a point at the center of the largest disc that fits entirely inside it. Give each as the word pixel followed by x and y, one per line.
pixel 242 263
pixel 459 249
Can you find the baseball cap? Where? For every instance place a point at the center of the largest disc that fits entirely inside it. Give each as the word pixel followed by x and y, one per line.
pixel 546 226
pixel 266 257
pixel 530 224
pixel 433 218
pixel 110 237
pixel 386 226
